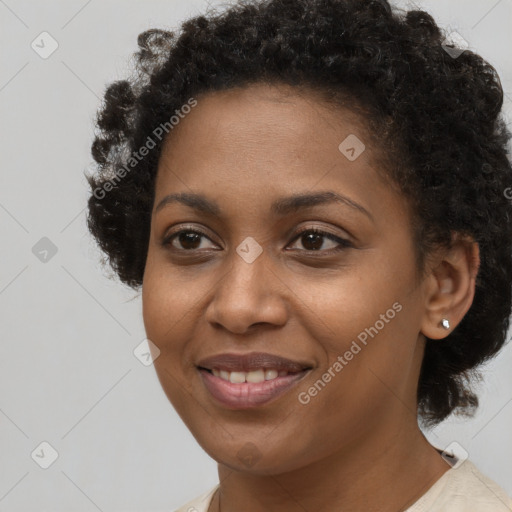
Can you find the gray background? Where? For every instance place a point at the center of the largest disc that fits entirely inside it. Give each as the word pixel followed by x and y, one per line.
pixel 68 375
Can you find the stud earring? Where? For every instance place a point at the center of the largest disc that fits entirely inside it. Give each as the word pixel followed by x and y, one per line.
pixel 445 323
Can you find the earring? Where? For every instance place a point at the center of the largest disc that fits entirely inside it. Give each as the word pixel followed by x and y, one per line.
pixel 445 323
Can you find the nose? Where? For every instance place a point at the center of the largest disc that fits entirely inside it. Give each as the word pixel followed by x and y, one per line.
pixel 247 295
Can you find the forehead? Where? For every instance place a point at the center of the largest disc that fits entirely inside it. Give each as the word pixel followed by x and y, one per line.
pixel 261 109
pixel 261 128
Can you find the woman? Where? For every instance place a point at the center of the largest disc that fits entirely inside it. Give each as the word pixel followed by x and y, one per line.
pixel 312 195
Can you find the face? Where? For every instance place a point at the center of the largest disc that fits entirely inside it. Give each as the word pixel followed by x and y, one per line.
pixel 245 276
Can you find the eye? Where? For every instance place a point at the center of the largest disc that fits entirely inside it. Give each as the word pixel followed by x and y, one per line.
pixel 189 239
pixel 313 240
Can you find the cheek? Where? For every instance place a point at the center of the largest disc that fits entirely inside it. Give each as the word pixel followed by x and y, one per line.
pixel 364 322
pixel 164 309
pixel 344 308
pixel 167 297
pixel 171 303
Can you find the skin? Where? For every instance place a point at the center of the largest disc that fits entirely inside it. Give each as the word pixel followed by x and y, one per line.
pixel 356 444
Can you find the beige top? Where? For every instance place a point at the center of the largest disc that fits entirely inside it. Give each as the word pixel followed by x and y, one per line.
pixel 460 489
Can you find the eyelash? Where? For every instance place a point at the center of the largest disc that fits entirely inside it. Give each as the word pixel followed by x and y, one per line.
pixel 343 244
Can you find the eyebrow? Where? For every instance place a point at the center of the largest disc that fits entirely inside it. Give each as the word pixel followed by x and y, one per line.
pixel 282 206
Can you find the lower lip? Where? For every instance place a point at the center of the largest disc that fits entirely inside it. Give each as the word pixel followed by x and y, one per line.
pixel 247 395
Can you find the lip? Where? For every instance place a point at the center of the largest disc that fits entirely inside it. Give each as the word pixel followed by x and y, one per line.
pixel 233 362
pixel 248 395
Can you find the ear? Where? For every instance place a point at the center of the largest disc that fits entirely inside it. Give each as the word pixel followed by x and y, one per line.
pixel 450 286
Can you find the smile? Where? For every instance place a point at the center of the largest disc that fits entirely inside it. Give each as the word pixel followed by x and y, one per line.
pixel 244 390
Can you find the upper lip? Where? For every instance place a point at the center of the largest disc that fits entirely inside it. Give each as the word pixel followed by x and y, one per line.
pixel 233 362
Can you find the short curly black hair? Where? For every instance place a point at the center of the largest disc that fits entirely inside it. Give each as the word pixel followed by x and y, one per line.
pixel 435 109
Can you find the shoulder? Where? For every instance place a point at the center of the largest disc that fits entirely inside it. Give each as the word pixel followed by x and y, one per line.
pixel 461 489
pixel 200 503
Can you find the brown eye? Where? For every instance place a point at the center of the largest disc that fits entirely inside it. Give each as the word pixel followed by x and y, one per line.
pixel 186 240
pixel 189 240
pixel 313 240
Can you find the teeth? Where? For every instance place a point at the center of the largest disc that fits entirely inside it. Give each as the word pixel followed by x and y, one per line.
pixel 271 374
pixel 254 376
pixel 237 377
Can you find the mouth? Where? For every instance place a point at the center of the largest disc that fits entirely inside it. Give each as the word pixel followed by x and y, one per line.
pixel 247 395
pixel 252 380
